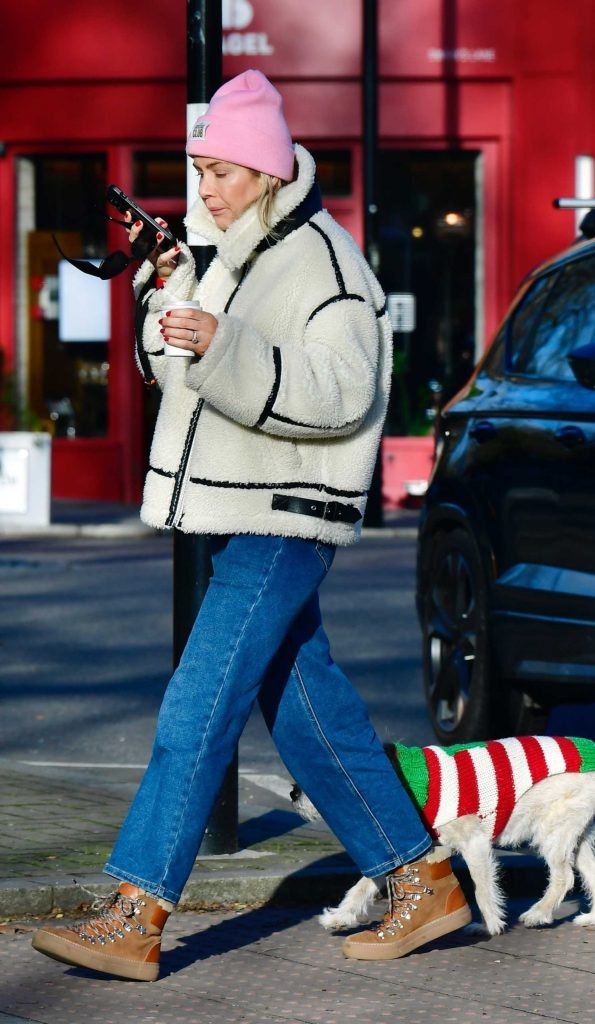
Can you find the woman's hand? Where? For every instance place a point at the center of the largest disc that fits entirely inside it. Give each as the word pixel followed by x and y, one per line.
pixel 191 329
pixel 164 262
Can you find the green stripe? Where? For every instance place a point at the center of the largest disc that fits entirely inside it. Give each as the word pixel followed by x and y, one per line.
pixel 456 747
pixel 413 765
pixel 586 749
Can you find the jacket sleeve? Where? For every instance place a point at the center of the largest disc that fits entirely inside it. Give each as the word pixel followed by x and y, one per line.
pixel 321 388
pixel 149 340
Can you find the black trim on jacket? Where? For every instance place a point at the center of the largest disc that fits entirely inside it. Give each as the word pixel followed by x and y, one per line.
pixel 266 412
pixel 310 205
pixel 252 486
pixel 179 476
pixel 140 315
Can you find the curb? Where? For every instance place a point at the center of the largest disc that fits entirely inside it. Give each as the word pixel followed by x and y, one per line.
pixel 226 888
pixel 94 530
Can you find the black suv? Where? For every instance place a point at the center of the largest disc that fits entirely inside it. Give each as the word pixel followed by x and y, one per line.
pixel 506 550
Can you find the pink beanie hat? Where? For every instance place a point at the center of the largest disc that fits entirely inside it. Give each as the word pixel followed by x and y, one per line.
pixel 244 124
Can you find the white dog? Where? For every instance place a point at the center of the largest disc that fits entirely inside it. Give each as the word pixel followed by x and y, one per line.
pixel 534 790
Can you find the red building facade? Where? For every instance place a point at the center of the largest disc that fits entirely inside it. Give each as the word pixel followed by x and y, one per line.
pixel 483 112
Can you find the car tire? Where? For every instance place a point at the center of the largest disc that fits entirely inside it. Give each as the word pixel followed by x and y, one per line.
pixel 459 676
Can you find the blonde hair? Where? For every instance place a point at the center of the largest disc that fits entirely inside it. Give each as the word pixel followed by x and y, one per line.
pixel 269 186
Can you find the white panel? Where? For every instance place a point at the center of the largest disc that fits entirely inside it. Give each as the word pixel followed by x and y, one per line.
pixel 84 305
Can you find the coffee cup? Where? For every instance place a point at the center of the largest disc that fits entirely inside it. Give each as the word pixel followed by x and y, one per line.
pixel 173 350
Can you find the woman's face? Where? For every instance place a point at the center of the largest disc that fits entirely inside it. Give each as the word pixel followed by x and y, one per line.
pixel 226 189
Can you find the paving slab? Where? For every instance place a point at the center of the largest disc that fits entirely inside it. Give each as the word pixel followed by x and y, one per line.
pixel 278 965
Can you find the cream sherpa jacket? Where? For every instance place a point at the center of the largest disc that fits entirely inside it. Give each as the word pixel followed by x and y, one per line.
pixel 290 397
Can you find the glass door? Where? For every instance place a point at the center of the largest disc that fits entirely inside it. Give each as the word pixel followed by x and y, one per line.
pixel 428 254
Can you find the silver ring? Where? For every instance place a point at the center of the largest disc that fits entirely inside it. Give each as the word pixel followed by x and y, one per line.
pixel 194 338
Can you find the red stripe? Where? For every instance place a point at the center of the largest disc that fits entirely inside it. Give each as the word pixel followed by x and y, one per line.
pixel 535 758
pixel 468 790
pixel 434 784
pixel 504 782
pixel 570 753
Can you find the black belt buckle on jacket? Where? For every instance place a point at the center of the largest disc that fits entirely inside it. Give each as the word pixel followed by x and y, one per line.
pixel 333 511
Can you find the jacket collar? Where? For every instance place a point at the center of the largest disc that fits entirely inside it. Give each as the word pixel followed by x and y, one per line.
pixel 294 204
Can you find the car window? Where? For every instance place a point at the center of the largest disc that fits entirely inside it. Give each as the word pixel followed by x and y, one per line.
pixel 493 361
pixel 561 318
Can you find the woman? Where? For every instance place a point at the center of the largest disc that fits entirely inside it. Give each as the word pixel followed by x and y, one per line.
pixel 265 441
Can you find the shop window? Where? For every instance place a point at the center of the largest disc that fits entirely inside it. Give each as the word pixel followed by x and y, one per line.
pixel 64 382
pixel 159 174
pixel 333 170
pixel 70 196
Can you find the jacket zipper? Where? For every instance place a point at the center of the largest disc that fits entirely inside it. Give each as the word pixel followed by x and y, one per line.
pixel 183 471
pixel 182 474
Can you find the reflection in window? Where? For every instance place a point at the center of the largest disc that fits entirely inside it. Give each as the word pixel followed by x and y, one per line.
pixel 565 320
pixel 159 173
pixel 333 170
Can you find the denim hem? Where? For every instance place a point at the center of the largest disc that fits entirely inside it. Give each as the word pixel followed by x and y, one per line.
pixel 389 865
pixel 150 888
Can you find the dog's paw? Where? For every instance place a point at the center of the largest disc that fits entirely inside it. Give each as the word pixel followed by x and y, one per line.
pixel 334 920
pixel 535 918
pixel 585 920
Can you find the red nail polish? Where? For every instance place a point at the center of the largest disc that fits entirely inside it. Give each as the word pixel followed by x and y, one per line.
pixel 168 312
pixel 162 330
pixel 138 223
pixel 177 248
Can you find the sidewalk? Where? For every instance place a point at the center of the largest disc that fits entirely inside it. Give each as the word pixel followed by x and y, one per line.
pixel 57 828
pixel 255 954
pixel 247 949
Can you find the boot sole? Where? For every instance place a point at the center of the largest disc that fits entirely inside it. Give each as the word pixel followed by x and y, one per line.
pixel 401 947
pixel 76 956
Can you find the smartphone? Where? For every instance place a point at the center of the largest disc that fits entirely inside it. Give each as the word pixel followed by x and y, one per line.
pixel 122 203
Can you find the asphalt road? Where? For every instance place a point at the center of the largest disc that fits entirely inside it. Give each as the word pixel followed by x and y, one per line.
pixel 85 646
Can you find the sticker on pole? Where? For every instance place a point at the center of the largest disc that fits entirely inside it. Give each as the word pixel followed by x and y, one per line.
pixel 401 310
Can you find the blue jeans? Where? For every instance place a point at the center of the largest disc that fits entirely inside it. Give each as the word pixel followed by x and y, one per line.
pixel 259 635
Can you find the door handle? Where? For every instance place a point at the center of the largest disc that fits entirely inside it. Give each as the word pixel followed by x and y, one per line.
pixel 570 436
pixel 482 431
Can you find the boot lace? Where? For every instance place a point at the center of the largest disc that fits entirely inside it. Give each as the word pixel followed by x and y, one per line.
pixel 113 919
pixel 405 890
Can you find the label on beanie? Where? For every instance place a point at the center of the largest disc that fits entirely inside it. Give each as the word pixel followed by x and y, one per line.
pixel 200 129
pixel 486 779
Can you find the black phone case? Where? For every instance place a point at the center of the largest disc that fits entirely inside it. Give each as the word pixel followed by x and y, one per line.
pixel 118 199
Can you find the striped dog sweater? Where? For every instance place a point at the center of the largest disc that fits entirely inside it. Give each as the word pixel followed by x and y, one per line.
pixel 486 779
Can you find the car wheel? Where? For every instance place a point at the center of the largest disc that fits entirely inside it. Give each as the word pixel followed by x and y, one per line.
pixel 458 675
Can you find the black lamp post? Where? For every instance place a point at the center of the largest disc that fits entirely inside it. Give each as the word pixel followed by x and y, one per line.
pixel 192 562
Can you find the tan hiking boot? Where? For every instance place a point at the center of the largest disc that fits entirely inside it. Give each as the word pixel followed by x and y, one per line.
pixel 123 937
pixel 425 902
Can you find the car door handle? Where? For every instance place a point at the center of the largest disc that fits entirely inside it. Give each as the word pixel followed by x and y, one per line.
pixel 482 431
pixel 570 436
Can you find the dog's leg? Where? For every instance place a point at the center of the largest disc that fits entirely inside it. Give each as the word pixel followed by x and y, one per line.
pixel 585 863
pixel 559 860
pixel 469 837
pixel 354 906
